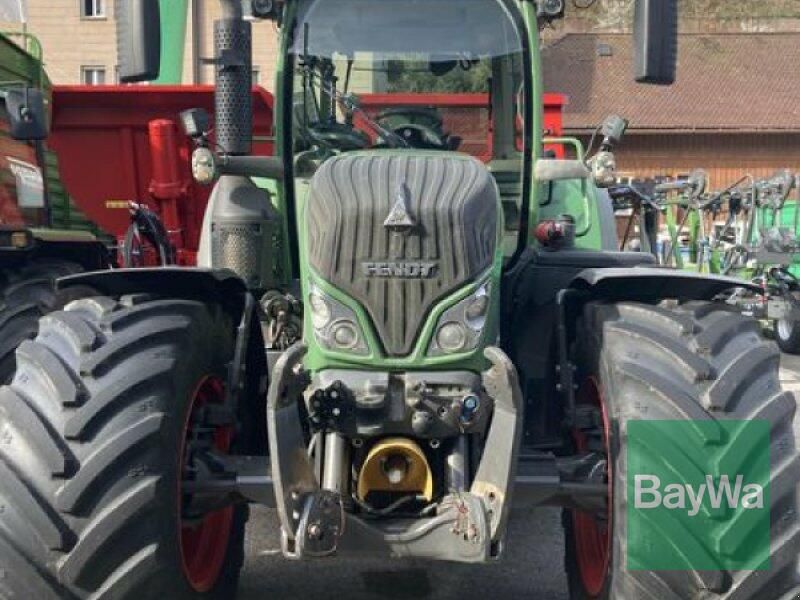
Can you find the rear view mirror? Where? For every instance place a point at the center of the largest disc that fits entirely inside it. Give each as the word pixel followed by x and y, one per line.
pixel 138 40
pixel 613 129
pixel 27 118
pixel 655 40
pixel 196 123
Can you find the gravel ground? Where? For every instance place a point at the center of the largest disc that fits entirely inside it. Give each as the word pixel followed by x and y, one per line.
pixel 531 569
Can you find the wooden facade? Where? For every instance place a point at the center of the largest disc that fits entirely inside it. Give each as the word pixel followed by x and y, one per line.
pixel 725 156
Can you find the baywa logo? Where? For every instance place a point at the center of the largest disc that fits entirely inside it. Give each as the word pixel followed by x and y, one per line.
pixel 698 495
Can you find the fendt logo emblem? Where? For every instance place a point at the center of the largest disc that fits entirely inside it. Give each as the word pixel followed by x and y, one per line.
pixel 400 219
pixel 399 270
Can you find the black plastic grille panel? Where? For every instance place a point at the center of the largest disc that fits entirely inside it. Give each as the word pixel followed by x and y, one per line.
pixel 453 201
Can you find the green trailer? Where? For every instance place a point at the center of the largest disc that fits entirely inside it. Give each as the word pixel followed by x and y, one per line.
pixel 43 235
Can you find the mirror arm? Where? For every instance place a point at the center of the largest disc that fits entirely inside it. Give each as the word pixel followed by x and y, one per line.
pixel 559 170
pixel 232 9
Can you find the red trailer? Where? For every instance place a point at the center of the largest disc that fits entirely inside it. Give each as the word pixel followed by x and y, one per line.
pixel 466 113
pixel 122 144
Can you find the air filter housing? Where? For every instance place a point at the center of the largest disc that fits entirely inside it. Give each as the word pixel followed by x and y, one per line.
pixel 243 227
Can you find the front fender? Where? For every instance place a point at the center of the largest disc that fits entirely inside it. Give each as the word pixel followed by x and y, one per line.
pixel 218 286
pixel 653 284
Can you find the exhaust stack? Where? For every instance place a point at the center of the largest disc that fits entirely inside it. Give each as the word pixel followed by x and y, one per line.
pixel 233 42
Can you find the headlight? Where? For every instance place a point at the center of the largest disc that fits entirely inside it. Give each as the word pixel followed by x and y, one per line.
pixel 335 325
pixel 477 307
pixel 345 334
pixel 461 326
pixel 320 311
pixel 204 166
pixel 452 337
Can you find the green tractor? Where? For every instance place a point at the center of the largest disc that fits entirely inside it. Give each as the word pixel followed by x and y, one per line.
pixel 391 342
pixel 42 235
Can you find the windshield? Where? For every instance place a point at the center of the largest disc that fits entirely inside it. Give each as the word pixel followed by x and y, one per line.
pixel 405 74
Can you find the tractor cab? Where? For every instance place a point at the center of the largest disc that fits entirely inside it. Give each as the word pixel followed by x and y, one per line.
pixel 340 64
pixel 399 208
pixel 376 82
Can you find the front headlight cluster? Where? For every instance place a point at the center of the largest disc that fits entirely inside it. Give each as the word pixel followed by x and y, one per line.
pixel 460 327
pixel 335 325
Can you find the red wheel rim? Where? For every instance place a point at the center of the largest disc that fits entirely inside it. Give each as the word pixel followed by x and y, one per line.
pixel 592 538
pixel 203 545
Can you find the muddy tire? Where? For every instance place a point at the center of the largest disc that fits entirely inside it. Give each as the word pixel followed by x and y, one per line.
pixel 26 294
pixel 787 335
pixel 697 361
pixel 95 429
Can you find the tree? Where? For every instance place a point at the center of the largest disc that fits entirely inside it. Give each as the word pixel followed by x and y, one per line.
pixel 616 14
pixel 418 77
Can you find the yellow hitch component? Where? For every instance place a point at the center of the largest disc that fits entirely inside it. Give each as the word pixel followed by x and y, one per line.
pixel 396 465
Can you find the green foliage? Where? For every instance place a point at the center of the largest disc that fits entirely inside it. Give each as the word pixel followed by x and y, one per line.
pixel 416 77
pixel 610 11
pixel 726 9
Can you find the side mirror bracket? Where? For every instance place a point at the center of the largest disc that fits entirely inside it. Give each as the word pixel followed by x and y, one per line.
pixel 269 10
pixel 550 169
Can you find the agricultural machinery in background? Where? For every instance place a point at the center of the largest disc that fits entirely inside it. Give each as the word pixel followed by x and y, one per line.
pixel 93 178
pixel 389 339
pixel 126 161
pixel 43 236
pixel 767 252
pixel 749 230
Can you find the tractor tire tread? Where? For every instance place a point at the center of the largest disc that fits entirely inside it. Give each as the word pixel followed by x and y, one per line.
pixel 696 361
pixel 92 407
pixel 26 294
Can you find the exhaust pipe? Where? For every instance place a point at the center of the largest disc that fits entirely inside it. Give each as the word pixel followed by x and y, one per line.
pixel 233 41
pixel 244 224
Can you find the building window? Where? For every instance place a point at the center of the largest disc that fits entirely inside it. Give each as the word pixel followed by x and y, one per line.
pixel 256 76
pixel 93 75
pixel 93 9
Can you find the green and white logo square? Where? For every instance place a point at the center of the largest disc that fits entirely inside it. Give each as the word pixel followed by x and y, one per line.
pixel 698 495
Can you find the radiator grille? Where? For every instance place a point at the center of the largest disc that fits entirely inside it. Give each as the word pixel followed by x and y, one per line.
pixel 454 203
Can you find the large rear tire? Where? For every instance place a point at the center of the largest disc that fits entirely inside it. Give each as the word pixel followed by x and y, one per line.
pixel 697 361
pixel 26 294
pixel 95 433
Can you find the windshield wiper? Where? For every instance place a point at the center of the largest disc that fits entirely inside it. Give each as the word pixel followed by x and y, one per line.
pixel 350 104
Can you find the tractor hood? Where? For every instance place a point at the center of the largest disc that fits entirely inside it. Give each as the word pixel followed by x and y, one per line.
pixel 400 231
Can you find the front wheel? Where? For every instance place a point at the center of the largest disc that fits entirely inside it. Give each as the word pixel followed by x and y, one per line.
pixel 109 411
pixel 787 335
pixel 680 374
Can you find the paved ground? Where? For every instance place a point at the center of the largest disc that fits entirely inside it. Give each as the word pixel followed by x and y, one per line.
pixel 532 568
